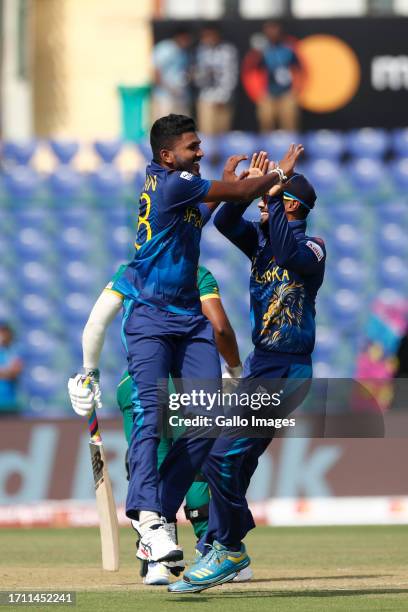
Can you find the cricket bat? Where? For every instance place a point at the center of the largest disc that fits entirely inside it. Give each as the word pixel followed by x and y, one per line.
pixel 105 503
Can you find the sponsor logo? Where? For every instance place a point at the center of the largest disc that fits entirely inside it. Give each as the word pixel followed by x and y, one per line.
pixel 317 250
pixel 186 175
pixel 97 466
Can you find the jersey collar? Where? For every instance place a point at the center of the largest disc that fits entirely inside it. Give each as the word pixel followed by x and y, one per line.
pixel 298 226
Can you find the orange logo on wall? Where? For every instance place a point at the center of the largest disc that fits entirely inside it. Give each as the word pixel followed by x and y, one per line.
pixel 331 73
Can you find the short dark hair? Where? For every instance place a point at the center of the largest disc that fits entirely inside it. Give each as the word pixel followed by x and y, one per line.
pixel 166 129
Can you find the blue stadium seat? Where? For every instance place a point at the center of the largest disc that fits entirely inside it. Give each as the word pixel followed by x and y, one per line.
pixel 32 244
pixel 65 182
pixel 325 144
pixel 366 175
pixel 325 176
pixel 77 276
pixel 399 172
pixel 35 309
pixel 392 212
pixel 40 347
pixel 210 146
pixel 29 217
pixel 77 307
pixel 345 307
pixel 393 272
pixel 346 241
pixel 107 181
pixel 118 215
pixel 35 276
pixel 348 273
pixel 21 182
pixel 213 243
pixel 399 140
pixel 75 242
pixel 275 144
pixel 392 239
pixel 233 143
pixel 327 343
pixel 19 152
pixel 108 149
pixel 7 309
pixel 73 216
pixel 121 242
pixel 44 382
pixel 64 150
pixel 350 212
pixel 368 142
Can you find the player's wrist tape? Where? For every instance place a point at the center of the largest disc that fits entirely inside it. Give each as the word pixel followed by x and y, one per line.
pixel 196 514
pixel 93 373
pixel 234 372
pixel 282 176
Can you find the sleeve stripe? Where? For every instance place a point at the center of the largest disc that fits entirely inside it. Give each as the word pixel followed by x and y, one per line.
pixel 122 297
pixel 210 296
pixel 123 381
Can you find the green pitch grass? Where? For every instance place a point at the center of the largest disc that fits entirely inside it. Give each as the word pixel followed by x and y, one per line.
pixel 323 568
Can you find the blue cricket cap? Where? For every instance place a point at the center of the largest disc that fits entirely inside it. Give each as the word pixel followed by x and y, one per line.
pixel 299 188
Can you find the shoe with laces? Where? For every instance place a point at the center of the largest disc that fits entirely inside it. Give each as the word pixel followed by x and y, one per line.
pixel 219 565
pixel 157 545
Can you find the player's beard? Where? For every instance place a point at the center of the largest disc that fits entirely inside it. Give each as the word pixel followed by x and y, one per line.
pixel 188 166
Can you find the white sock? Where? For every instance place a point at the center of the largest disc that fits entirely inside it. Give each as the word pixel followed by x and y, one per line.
pixel 147 519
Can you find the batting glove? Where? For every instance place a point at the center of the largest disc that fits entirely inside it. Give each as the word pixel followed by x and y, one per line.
pixel 84 391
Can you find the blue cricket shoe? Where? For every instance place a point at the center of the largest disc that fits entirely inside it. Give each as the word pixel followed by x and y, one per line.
pixel 181 586
pixel 219 565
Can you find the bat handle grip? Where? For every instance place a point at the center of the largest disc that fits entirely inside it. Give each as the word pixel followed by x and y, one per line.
pixel 93 427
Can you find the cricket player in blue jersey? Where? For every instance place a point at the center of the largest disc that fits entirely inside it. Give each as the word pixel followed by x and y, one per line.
pixel 164 329
pixel 287 271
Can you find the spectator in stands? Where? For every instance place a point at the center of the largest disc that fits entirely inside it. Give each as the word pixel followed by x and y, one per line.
pixel 278 106
pixel 172 70
pixel 10 369
pixel 216 77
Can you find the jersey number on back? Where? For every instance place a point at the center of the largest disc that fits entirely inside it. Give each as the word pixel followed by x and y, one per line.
pixel 143 219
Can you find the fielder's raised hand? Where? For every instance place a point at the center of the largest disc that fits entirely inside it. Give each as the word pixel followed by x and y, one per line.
pixel 287 164
pixel 230 167
pixel 259 164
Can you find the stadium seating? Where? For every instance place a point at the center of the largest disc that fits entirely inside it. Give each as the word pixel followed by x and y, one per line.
pixel 368 142
pixel 64 150
pixel 64 233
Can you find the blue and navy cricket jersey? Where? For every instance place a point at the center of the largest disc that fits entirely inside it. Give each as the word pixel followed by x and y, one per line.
pixel 163 272
pixel 286 273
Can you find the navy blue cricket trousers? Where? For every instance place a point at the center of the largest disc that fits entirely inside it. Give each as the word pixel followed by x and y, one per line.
pixel 160 343
pixel 233 459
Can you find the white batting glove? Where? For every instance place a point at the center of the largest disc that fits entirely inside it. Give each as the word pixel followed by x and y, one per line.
pixel 229 377
pixel 84 392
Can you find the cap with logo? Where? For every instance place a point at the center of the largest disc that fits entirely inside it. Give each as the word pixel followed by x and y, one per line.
pixel 299 188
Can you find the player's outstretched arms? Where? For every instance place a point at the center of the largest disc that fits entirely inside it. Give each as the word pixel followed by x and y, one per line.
pixel 243 191
pixel 83 387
